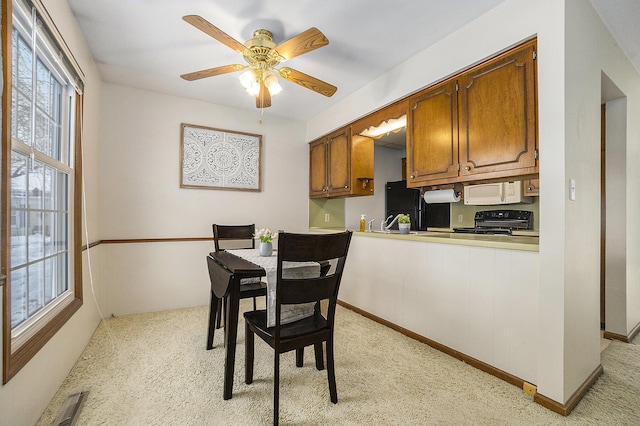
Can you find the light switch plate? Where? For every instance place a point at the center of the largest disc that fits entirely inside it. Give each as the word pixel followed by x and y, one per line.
pixel 572 189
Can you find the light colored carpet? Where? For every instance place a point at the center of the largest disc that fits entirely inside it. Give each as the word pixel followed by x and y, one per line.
pixel 153 369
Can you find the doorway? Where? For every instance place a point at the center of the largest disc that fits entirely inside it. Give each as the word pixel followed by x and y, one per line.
pixel 613 253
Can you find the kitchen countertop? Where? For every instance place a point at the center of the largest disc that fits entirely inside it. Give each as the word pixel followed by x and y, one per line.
pixel 446 236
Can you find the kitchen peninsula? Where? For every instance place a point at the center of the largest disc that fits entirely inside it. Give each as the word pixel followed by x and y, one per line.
pixel 470 296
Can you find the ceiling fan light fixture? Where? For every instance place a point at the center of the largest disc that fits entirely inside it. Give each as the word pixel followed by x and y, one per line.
pixel 248 79
pixel 271 81
pixel 253 90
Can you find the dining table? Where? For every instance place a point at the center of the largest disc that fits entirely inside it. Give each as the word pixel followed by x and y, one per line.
pixel 232 268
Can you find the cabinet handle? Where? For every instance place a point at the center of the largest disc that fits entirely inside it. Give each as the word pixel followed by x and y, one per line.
pixel 346 187
pixel 412 177
pixel 530 188
pixel 467 168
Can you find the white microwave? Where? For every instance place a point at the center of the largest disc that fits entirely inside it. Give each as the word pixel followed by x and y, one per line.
pixel 495 193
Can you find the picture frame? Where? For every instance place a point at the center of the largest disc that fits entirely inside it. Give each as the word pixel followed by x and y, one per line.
pixel 212 158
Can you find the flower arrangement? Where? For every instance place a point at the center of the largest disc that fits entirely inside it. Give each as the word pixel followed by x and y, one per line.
pixel 265 235
pixel 404 218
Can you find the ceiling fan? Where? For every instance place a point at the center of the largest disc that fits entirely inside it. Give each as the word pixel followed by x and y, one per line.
pixel 262 56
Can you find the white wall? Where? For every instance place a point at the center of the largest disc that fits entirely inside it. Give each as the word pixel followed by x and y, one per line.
pixel 591 50
pixel 141 196
pixel 627 79
pixel 27 394
pixel 582 221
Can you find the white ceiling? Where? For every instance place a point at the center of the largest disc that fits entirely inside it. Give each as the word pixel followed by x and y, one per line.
pixel 146 44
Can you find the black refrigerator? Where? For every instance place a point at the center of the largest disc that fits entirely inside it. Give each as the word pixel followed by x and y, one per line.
pixel 400 199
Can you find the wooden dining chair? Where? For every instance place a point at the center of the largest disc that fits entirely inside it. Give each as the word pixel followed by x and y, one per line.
pixel 236 237
pixel 312 330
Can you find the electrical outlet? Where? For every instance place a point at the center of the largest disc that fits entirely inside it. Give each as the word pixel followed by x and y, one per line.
pixel 529 389
pixel 460 218
pixel 327 217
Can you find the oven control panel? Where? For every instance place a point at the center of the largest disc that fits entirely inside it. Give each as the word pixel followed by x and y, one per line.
pixel 504 215
pixel 506 219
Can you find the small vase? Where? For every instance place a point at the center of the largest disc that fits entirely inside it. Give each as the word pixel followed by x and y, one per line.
pixel 265 249
pixel 404 228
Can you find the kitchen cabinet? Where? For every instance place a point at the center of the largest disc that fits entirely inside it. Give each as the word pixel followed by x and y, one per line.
pixel 432 135
pixel 478 125
pixel 497 105
pixel 318 168
pixel 531 187
pixel 341 165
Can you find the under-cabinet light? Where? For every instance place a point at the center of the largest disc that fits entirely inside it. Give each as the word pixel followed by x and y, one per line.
pixel 386 127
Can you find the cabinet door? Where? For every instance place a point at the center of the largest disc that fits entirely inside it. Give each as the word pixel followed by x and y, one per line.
pixel 432 142
pixel 362 165
pixel 318 168
pixel 498 116
pixel 339 162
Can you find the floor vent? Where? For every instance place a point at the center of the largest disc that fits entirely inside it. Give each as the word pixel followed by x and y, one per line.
pixel 70 411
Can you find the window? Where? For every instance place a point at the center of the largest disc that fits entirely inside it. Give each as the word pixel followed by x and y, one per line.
pixel 41 205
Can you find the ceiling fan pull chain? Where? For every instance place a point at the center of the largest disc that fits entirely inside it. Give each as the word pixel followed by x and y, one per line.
pixel 261 106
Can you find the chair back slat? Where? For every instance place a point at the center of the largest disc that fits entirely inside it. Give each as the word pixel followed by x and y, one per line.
pixel 314 247
pixel 241 235
pixel 307 290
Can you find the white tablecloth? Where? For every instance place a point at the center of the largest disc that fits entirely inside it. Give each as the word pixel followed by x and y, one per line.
pixel 290 313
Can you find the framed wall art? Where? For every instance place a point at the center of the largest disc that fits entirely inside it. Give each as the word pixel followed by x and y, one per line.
pixel 219 159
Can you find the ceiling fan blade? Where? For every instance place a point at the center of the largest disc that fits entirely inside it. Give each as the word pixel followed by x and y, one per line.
pixel 307 81
pixel 197 75
pixel 215 32
pixel 263 100
pixel 304 42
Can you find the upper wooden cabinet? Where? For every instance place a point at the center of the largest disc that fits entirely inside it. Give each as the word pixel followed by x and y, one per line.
pixel 318 168
pixel 432 135
pixel 478 125
pixel 340 165
pixel 497 105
